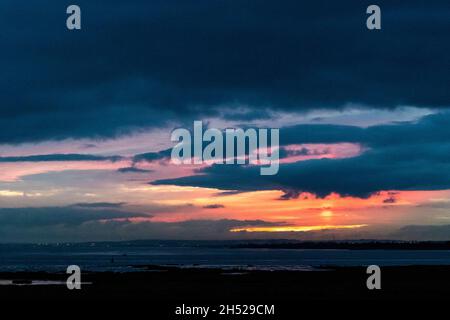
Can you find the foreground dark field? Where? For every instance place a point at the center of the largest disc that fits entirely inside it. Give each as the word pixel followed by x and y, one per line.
pixel 172 285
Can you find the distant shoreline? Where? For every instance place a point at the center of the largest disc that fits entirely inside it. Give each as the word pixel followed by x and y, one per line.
pixel 253 244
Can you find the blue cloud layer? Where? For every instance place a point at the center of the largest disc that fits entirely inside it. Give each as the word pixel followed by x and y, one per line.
pixel 404 156
pixel 141 63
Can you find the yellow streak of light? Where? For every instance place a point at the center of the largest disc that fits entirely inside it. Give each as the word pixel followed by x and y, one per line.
pixel 9 193
pixel 297 228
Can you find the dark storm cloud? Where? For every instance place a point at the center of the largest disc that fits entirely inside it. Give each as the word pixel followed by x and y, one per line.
pixel 140 63
pixel 133 170
pixel 427 130
pixel 404 156
pixel 68 216
pixel 99 204
pixel 24 229
pixel 60 157
pixel 153 156
pixel 390 200
pixel 214 206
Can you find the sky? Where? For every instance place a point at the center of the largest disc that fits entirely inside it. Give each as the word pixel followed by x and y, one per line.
pixel 86 118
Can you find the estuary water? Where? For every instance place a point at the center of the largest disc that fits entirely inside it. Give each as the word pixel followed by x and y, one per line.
pixel 127 257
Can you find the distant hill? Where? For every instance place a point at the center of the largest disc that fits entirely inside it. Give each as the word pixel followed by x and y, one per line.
pixel 351 245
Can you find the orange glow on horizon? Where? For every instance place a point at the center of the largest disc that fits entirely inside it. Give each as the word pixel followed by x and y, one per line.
pixel 385 207
pixel 326 214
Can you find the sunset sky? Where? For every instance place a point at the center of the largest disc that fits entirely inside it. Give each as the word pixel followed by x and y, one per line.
pixel 86 118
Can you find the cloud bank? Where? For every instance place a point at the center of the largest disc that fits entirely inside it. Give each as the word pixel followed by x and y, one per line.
pixel 146 63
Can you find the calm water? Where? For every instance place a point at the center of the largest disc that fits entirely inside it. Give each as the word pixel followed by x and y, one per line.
pixel 122 257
